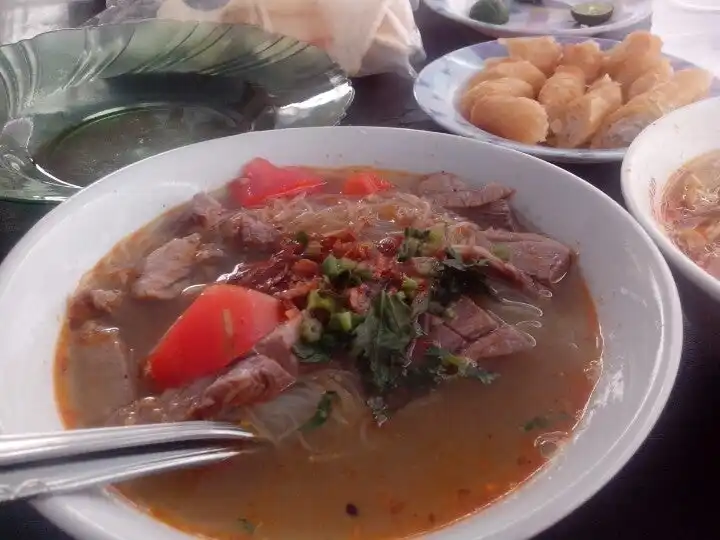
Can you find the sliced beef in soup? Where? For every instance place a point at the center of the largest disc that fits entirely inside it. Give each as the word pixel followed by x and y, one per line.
pixel 450 191
pixel 270 276
pixel 206 211
pixel 278 345
pixel 470 321
pixel 259 377
pixel 334 312
pixel 539 256
pixel 248 231
pixel 90 303
pixel 501 341
pixel 475 333
pixel 489 203
pixel 441 183
pixel 163 275
pixel 496 215
pixel 500 269
pixel 253 380
pixel 464 199
pixel 438 332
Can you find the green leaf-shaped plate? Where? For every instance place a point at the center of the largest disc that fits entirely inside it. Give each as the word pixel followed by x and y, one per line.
pixel 78 104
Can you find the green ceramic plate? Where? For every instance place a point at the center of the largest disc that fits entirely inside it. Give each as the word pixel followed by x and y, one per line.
pixel 78 104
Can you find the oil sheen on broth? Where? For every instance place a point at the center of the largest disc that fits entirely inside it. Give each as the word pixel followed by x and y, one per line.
pixel 690 210
pixel 439 459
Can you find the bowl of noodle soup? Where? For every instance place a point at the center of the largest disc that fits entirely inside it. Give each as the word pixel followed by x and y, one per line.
pixel 658 180
pixel 499 444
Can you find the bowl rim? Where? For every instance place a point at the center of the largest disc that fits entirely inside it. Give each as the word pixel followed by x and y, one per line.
pixel 71 517
pixel 645 216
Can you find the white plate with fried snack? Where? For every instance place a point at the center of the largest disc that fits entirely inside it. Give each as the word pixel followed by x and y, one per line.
pixel 528 18
pixel 563 99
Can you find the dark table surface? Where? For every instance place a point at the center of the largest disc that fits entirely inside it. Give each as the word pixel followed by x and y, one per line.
pixel 667 488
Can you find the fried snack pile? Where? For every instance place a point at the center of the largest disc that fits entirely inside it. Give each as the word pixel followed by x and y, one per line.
pixel 577 95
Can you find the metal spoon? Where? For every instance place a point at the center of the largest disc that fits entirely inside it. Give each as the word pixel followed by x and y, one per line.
pixel 60 462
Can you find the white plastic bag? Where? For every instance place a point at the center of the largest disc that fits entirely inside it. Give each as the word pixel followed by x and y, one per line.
pixel 363 36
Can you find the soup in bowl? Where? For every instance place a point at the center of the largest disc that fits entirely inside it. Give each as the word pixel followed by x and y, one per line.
pixel 351 316
pixel 434 344
pixel 672 189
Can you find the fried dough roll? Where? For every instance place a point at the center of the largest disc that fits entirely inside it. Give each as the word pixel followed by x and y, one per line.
pixel 620 128
pixel 505 86
pixel 658 74
pixel 516 118
pixel 542 52
pixel 587 56
pixel 496 60
pixel 566 85
pixel 585 114
pixel 521 69
pixel 635 54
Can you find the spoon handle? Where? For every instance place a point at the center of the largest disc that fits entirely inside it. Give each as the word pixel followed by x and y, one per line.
pixel 22 449
pixel 59 478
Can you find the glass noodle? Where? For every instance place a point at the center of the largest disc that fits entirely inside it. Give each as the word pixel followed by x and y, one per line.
pixel 690 210
pixel 375 216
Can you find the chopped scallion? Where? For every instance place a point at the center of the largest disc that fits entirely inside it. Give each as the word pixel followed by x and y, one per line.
pixel 311 329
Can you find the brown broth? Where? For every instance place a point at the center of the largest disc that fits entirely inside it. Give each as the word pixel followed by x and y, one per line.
pixel 690 210
pixel 438 460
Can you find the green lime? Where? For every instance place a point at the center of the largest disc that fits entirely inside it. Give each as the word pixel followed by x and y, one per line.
pixel 592 13
pixel 490 11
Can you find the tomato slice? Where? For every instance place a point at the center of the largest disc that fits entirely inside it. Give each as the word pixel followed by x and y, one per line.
pixel 223 323
pixel 261 180
pixel 365 183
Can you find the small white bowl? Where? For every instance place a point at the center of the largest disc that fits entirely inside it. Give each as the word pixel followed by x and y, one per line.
pixel 660 150
pixel 636 298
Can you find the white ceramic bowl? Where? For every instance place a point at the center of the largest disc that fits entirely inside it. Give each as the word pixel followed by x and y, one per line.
pixel 660 150
pixel 636 298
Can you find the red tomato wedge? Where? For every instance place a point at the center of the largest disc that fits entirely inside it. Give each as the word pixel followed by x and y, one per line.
pixel 365 183
pixel 224 322
pixel 260 180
